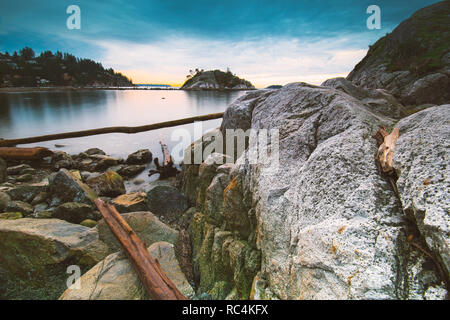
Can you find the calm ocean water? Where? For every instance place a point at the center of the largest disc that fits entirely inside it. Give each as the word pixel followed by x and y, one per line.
pixel 26 114
pixel 37 113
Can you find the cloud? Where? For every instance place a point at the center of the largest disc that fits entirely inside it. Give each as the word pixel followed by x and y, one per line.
pixel 263 62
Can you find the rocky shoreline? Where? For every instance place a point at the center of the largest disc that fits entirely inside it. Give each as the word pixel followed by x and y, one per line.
pixel 324 225
pixel 48 220
pixel 318 219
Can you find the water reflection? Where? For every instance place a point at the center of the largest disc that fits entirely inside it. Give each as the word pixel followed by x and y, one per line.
pixel 37 113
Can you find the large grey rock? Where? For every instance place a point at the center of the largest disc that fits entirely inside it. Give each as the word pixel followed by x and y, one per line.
pixel 327 224
pixel 69 188
pixel 73 212
pixel 378 100
pixel 167 202
pixel 115 279
pixel 421 160
pixel 146 225
pixel 36 252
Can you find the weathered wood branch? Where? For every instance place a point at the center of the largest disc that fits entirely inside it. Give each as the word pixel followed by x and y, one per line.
pixel 386 150
pixel 128 130
pixel 148 269
pixel 167 169
pixel 24 153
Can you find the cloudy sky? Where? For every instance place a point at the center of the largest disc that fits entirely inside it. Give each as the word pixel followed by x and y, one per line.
pixel 158 41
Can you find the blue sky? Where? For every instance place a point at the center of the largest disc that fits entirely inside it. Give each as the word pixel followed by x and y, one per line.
pixel 158 41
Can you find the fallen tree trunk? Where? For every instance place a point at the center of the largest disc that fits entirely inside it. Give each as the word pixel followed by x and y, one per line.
pixel 24 153
pixel 148 269
pixel 91 132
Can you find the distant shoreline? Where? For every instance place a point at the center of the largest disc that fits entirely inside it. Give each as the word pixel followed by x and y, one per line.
pixel 66 88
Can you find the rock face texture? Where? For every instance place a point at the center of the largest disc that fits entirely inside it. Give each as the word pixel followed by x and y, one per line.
pixel 413 62
pixel 421 161
pixel 36 253
pixel 316 220
pixel 215 80
pixel 109 184
pixel 115 279
pixel 146 225
pixel 69 188
pixel 378 100
pixel 166 202
pixel 2 170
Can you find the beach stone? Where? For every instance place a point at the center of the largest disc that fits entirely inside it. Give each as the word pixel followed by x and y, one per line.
pixel 24 178
pixel 27 192
pixel 15 170
pixel 40 207
pixel 4 200
pixel 70 189
pixel 142 156
pixel 86 165
pixel 43 214
pixel 39 198
pixel 131 171
pixel 73 212
pixel 146 225
pixel 93 151
pixel 88 223
pixel 67 164
pixel 28 171
pixel 20 206
pixel 115 279
pixel 108 184
pixel 167 202
pixel 3 170
pixel 131 202
pixel 37 252
pixel 102 162
pixel 11 215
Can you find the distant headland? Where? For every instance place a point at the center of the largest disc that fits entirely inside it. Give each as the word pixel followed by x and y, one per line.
pixel 49 69
pixel 215 80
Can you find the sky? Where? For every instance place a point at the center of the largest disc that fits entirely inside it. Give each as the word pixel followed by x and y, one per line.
pixel 159 41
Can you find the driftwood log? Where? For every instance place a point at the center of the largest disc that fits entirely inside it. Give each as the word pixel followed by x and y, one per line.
pixel 167 169
pixel 24 153
pixel 386 150
pixel 148 269
pixel 91 132
pixel 385 154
